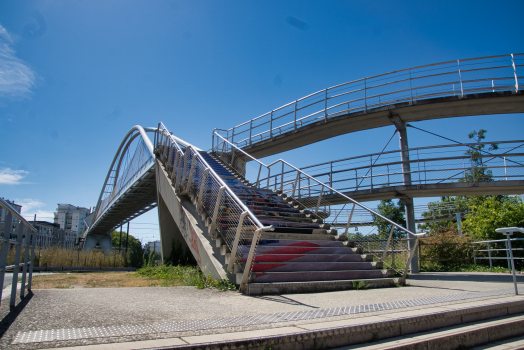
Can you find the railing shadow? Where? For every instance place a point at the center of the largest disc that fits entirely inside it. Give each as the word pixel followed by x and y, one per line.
pixel 283 300
pixel 466 277
pixel 8 319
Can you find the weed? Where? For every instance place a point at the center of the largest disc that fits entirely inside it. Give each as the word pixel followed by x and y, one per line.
pixel 360 285
pixel 71 277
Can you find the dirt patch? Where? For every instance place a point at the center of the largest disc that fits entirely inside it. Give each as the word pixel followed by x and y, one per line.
pixel 94 280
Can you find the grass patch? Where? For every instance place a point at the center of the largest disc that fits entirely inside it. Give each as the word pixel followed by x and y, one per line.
pixel 185 276
pixel 158 276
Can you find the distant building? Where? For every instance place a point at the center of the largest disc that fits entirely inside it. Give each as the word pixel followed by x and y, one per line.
pixel 51 235
pixel 154 246
pixel 3 212
pixel 71 218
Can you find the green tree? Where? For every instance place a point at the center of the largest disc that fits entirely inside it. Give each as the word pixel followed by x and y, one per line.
pixel 478 172
pixel 493 213
pixel 135 254
pixel 392 211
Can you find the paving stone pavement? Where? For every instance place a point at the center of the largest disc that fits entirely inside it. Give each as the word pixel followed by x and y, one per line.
pixel 108 315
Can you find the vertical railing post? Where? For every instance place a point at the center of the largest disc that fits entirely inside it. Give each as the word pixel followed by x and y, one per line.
pixel 213 226
pixel 271 125
pixel 515 73
pixel 365 96
pixel 349 219
pixel 200 199
pixel 250 131
pixel 258 176
pixel 247 267
pixel 371 170
pixel 190 178
pixel 410 87
pixel 14 282
pixel 512 264
pixel 319 199
pixel 282 179
pixel 489 254
pixel 295 115
pixel 27 241
pixel 387 244
pixel 32 259
pixel 505 169
pixel 460 78
pixel 325 105
pixel 232 258
pixel 5 248
pixel 295 184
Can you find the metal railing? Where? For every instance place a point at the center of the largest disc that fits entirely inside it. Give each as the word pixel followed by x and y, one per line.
pixel 510 256
pixel 429 165
pixel 452 78
pixel 492 247
pixel 227 216
pixel 25 238
pixel 288 180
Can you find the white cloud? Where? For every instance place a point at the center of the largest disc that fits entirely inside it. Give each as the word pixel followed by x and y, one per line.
pixel 11 177
pixel 16 79
pixel 30 207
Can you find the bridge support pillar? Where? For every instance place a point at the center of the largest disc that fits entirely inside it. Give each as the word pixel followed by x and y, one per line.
pixel 170 235
pixel 93 239
pixel 406 176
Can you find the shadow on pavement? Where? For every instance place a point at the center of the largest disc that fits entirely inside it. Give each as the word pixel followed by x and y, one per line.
pixel 283 300
pixel 8 320
pixel 466 277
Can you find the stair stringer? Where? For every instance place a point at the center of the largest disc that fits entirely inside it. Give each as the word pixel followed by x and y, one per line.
pixel 191 227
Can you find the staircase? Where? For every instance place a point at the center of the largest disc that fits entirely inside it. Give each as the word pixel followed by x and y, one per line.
pixel 302 254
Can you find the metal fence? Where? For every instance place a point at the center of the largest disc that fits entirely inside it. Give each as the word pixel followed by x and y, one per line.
pixel 452 78
pixel 25 238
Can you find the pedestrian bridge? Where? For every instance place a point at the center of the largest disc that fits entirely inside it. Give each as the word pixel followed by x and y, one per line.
pixel 268 228
pixel 477 86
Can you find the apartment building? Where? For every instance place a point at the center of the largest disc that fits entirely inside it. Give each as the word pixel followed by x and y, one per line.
pixel 71 218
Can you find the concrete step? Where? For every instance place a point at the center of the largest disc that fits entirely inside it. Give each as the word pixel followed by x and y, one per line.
pixel 300 250
pixel 317 276
pixel 467 336
pixel 257 288
pixel 276 258
pixel 299 243
pixel 294 266
pixel 298 236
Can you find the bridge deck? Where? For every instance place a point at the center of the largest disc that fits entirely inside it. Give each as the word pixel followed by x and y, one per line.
pixel 434 108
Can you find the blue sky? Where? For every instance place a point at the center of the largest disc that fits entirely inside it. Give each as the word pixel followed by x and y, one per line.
pixel 76 75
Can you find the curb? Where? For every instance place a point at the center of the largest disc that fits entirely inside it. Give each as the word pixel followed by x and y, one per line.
pixel 68 268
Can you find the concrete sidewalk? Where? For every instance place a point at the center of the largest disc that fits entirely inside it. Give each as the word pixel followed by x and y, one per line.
pixel 175 315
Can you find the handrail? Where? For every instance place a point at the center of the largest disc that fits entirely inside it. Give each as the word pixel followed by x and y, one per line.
pixel 327 187
pixel 409 84
pixel 418 149
pixel 180 166
pixel 13 212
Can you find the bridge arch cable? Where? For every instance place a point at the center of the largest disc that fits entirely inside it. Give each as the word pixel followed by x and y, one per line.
pixel 133 159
